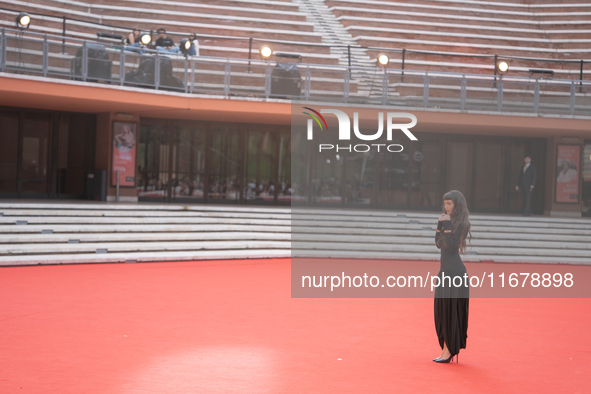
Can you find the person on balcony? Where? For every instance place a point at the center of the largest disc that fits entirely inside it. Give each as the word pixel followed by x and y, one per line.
pixel 164 43
pixel 132 42
pixel 194 50
pixel 133 37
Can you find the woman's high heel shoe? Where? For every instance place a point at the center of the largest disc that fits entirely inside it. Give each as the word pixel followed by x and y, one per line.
pixel 445 360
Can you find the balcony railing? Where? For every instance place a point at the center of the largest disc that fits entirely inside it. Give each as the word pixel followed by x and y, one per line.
pixel 54 56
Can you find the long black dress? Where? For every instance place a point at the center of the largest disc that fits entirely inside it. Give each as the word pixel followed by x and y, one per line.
pixel 451 302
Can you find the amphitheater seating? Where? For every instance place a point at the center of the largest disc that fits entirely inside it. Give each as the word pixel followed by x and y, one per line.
pixel 228 25
pixel 239 21
pixel 460 35
pixel 558 32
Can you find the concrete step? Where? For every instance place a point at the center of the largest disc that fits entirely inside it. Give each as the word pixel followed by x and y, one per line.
pixel 435 257
pixel 86 258
pixel 56 233
pixel 72 238
pixel 25 220
pixel 108 247
pixel 134 228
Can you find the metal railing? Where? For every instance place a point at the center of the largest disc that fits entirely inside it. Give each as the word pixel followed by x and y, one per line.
pixel 53 57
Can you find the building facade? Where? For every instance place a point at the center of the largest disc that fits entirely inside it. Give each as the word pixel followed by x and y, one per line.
pixel 240 152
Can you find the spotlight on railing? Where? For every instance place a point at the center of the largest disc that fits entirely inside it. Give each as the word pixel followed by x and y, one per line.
pixel 502 67
pixel 185 45
pixel 266 51
pixel 383 59
pixel 23 21
pixel 145 38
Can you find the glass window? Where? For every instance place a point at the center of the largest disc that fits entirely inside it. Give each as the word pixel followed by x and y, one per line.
pixel 225 164
pixel 35 153
pixel 153 161
pixel 517 150
pixel 260 166
pixel 361 173
pixel 393 184
pixel 427 174
pixel 460 168
pixel 284 167
pixel 300 154
pixel 490 167
pixel 327 172
pixel 188 163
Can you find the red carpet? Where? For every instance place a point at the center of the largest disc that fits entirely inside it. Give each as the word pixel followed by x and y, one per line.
pixel 231 327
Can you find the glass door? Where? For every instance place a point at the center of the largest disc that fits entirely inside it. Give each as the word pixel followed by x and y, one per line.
pixel 225 166
pixel 460 167
pixel 427 174
pixel 33 177
pixel 261 166
pixel 489 177
pixel 188 163
pixel 286 189
pixel 154 162
pixel 393 173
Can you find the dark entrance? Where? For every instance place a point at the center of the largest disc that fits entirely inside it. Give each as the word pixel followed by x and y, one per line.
pixel 191 161
pixel 484 168
pixel 44 154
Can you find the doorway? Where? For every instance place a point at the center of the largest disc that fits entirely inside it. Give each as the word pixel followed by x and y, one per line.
pixel 44 154
pixel 24 154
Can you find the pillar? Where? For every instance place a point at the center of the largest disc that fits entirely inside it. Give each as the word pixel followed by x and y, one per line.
pixel 552 206
pixel 105 147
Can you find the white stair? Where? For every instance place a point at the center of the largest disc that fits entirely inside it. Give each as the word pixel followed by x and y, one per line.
pixel 334 34
pixel 86 232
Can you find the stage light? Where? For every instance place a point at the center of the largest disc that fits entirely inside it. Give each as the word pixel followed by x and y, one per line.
pixel 145 38
pixel 23 21
pixel 383 59
pixel 266 51
pixel 502 67
pixel 185 45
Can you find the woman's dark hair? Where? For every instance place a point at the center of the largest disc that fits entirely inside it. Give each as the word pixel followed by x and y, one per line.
pixel 459 217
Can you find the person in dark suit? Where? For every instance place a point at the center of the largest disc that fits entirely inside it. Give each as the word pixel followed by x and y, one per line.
pixel 528 175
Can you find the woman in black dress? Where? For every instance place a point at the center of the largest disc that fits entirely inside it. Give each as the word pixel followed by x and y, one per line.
pixel 452 296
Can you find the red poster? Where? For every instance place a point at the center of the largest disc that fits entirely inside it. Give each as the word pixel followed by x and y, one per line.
pixel 124 150
pixel 567 173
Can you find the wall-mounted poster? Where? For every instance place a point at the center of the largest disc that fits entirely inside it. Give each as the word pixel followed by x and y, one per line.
pixel 124 151
pixel 568 158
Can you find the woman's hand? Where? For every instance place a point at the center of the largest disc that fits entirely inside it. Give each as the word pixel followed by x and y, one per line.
pixel 444 216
